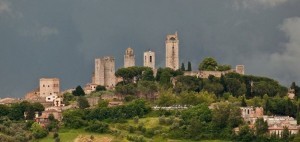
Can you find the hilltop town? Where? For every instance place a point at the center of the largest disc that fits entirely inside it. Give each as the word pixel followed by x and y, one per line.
pixel 212 102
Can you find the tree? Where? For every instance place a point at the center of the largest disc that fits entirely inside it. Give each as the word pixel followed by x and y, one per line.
pixel 148 88
pixel 285 134
pixel 215 88
pixel 78 91
pixel 243 102
pixel 131 73
pixel 208 64
pixel 187 83
pixel 233 85
pixel 100 88
pixel 38 131
pixel 189 66
pixel 82 102
pixel 126 89
pixel 73 119
pixel 245 134
pixel 16 112
pixel 4 110
pixel 166 98
pixel 148 75
pixel 182 68
pixel 98 127
pixel 126 73
pixel 165 79
pixel 223 67
pixel 261 126
pixel 67 98
pixel 296 89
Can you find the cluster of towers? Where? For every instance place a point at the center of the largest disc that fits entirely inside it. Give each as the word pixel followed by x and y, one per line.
pixel 105 67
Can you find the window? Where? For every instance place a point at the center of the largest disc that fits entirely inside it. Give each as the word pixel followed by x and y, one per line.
pixel 150 59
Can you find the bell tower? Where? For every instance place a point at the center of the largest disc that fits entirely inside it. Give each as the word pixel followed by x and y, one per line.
pixel 172 51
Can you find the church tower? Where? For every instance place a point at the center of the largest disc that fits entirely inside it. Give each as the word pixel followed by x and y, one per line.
pixel 129 58
pixel 172 51
pixel 149 59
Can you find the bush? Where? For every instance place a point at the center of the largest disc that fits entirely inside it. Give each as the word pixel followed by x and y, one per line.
pixel 55 135
pixel 162 120
pixel 136 138
pixel 136 119
pixel 98 127
pixel 38 131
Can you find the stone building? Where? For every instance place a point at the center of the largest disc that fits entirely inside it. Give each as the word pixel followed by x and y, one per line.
pixel 49 86
pixel 172 51
pixel 105 72
pixel 149 59
pixel 43 119
pixel 276 124
pixel 129 58
pixel 240 69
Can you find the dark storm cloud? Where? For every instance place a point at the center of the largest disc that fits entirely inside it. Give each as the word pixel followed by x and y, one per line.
pixel 43 38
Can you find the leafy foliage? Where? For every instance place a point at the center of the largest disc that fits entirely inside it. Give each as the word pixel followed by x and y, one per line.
pixel 78 91
pixel 97 127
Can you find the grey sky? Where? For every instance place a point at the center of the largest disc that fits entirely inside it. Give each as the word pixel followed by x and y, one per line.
pixel 61 38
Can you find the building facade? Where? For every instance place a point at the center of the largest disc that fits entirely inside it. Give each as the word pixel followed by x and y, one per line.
pixel 129 58
pixel 49 86
pixel 240 69
pixel 276 124
pixel 149 59
pixel 172 51
pixel 105 72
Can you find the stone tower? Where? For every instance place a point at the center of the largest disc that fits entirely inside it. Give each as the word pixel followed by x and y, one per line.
pixel 129 58
pixel 240 69
pixel 149 59
pixel 172 51
pixel 49 86
pixel 105 71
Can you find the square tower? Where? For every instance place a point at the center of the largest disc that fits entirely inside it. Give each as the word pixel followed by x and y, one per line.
pixel 49 86
pixel 149 59
pixel 105 72
pixel 172 51
pixel 240 69
pixel 129 58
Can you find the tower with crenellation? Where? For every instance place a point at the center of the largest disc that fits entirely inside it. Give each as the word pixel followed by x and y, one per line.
pixel 129 58
pixel 172 51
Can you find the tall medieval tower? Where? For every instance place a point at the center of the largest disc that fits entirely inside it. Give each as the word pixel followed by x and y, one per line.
pixel 105 72
pixel 172 51
pixel 129 58
pixel 149 59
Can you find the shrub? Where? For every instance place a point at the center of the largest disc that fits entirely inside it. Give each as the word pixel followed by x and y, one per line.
pixel 98 127
pixel 136 119
pixel 55 135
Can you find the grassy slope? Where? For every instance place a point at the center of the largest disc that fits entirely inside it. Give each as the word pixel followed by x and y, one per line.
pixel 69 135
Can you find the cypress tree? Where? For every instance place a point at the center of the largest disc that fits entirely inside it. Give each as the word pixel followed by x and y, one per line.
pixel 182 67
pixel 189 66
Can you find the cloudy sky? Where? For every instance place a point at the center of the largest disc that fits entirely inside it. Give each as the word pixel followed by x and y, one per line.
pixel 55 38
